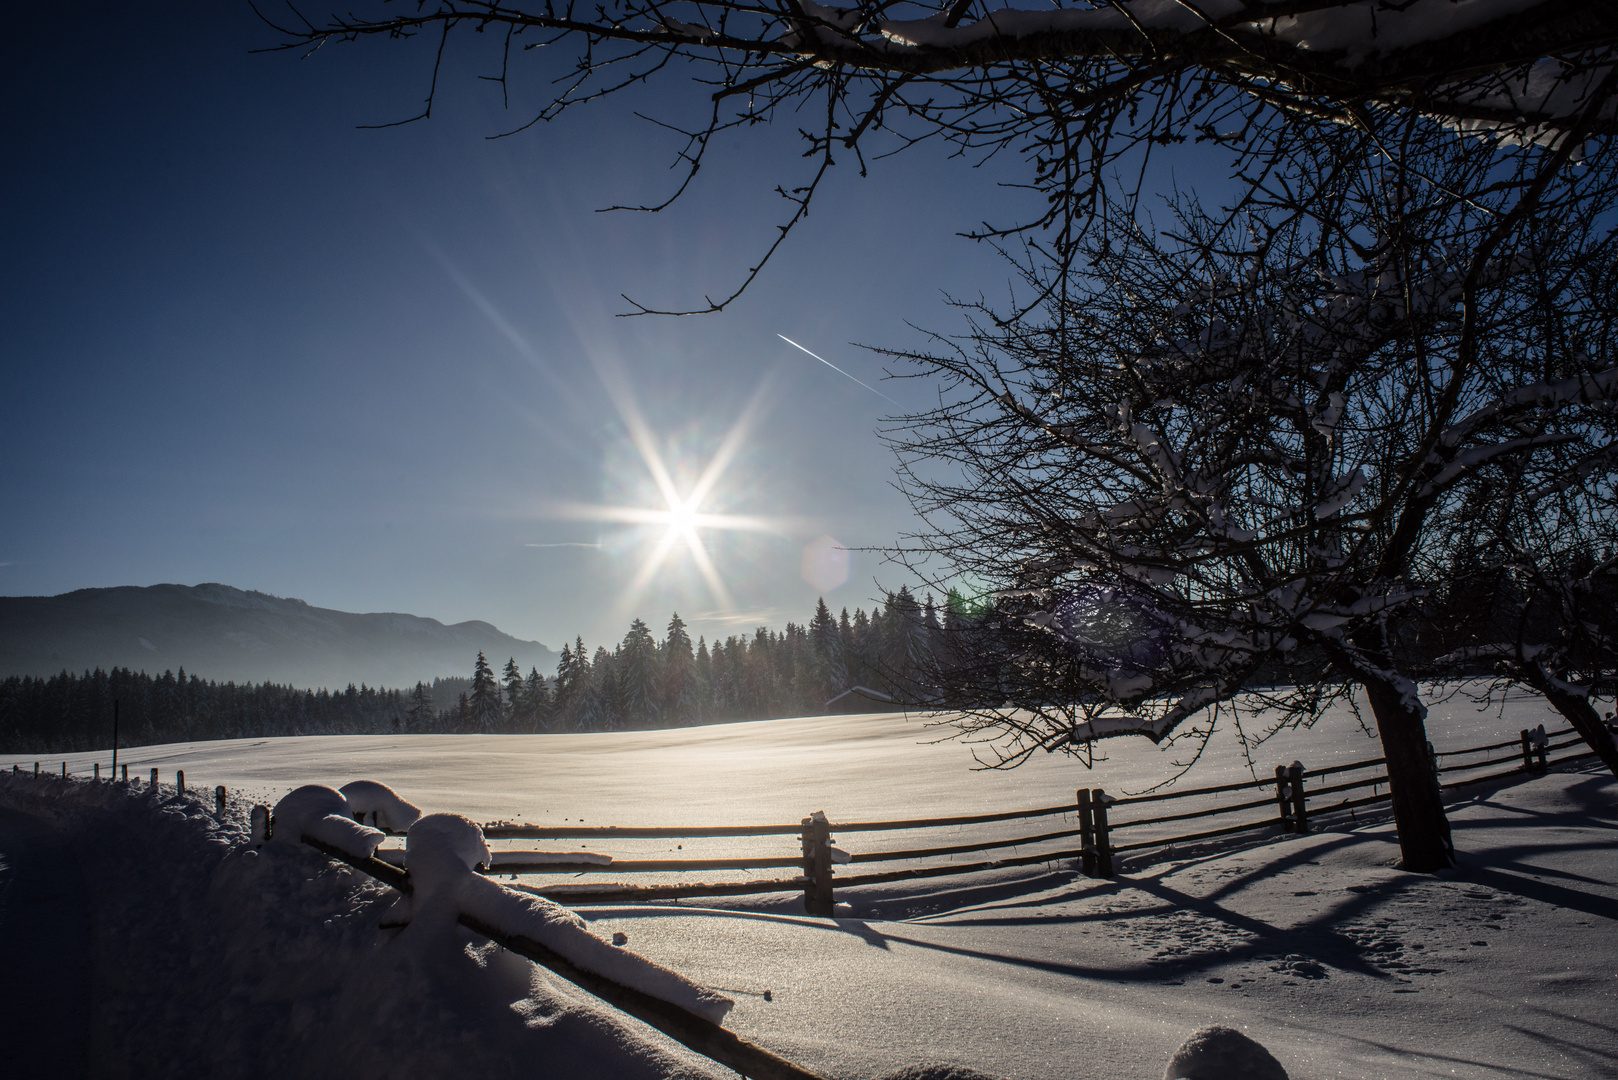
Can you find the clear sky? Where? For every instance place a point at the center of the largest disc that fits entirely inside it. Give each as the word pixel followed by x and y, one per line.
pixel 245 341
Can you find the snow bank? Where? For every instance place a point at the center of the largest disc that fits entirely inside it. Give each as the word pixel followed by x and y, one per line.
pixel 367 798
pixel 211 957
pixel 323 813
pixel 1222 1053
pixel 442 852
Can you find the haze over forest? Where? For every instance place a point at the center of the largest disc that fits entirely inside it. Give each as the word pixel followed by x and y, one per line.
pixel 229 634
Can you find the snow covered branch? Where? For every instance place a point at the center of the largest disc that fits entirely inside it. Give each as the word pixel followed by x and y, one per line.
pixel 1075 89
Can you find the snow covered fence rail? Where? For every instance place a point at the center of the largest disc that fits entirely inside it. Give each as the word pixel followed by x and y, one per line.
pixel 1285 804
pixel 440 888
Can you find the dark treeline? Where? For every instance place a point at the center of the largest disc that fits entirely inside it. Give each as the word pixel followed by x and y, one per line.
pixel 67 713
pixel 644 681
pixel 666 680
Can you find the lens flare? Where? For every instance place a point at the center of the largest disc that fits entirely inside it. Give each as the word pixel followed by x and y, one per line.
pixel 678 519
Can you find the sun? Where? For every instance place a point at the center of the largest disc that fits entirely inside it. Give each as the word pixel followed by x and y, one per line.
pixel 683 520
pixel 679 523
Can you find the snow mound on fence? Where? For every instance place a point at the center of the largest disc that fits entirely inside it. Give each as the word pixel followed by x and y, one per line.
pixel 367 798
pixel 442 853
pixel 1222 1053
pixel 323 813
pixel 216 958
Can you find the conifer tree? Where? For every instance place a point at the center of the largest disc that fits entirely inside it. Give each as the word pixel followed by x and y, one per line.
pixel 421 712
pixel 485 698
pixel 678 699
pixel 606 701
pixel 516 704
pixel 536 696
pixel 637 676
pixel 707 702
pixel 829 664
pixel 569 676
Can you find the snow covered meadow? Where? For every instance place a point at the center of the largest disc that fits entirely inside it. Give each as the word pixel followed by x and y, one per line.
pixel 178 946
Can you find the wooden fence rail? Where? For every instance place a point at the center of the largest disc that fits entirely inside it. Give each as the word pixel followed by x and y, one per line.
pixel 1288 804
pixel 697 1032
pixel 1285 804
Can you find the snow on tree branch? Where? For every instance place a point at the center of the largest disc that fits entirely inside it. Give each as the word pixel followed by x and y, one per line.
pixel 1077 89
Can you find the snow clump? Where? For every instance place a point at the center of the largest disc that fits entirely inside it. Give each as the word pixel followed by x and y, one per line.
pixel 442 853
pixel 322 813
pixel 935 1072
pixel 1222 1053
pixel 367 798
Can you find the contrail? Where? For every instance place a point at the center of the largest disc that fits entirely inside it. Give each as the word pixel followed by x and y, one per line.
pixel 835 368
pixel 569 544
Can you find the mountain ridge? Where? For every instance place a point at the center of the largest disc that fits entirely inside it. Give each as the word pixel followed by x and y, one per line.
pixel 224 633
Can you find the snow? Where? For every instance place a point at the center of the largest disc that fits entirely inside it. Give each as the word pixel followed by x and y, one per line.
pixel 207 956
pixel 381 804
pixel 1218 1053
pixel 1343 491
pixel 322 812
pixel 203 952
pixel 441 852
pixel 1355 31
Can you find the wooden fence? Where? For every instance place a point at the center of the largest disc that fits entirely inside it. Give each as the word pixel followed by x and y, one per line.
pixel 1100 826
pixel 179 782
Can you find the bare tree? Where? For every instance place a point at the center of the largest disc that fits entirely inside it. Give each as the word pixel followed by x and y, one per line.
pixel 1083 90
pixel 1532 599
pixel 1228 458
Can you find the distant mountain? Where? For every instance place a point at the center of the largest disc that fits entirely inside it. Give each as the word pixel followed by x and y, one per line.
pixel 221 633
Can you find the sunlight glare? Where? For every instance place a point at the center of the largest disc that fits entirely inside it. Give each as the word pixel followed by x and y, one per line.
pixel 680 522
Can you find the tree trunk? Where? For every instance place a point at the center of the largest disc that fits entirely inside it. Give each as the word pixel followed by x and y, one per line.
pixel 1418 801
pixel 1578 711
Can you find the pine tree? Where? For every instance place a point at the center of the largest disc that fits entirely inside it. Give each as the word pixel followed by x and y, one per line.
pixel 679 700
pixel 421 708
pixel 829 664
pixel 606 706
pixel 485 697
pixel 707 699
pixel 566 685
pixel 537 701
pixel 903 652
pixel 637 675
pixel 516 710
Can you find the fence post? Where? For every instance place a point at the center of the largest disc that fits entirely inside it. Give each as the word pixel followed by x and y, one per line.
pixel 1087 835
pixel 64 768
pixel 154 778
pixel 179 780
pixel 36 768
pixel 97 768
pixel 1300 809
pixel 1527 752
pixel 1542 747
pixel 1098 813
pixel 260 819
pixel 219 801
pixel 817 888
pixel 1283 798
pixel 126 772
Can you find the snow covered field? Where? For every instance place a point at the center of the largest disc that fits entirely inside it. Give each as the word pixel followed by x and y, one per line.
pixel 201 955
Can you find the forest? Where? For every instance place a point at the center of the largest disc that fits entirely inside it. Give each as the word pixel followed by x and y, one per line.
pixel 644 681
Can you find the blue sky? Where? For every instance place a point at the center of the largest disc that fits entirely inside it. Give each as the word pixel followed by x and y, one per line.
pixel 246 341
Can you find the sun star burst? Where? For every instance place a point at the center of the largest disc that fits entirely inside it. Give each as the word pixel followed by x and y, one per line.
pixel 680 518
